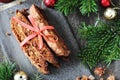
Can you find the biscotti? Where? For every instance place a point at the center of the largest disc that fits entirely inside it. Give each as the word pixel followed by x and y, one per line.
pixel 38 57
pixel 59 47
pixel 39 40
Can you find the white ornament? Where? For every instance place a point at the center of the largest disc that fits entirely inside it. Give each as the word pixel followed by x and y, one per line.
pixel 110 13
pixel 21 75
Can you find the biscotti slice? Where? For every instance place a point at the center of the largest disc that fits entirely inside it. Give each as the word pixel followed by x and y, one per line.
pixel 37 56
pixel 55 42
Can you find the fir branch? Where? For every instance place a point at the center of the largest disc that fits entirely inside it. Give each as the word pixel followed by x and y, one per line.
pixel 88 6
pixel 37 76
pixel 67 6
pixel 102 43
pixel 6 70
pixel 112 51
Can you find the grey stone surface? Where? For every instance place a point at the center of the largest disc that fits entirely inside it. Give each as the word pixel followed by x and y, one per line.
pixel 10 47
pixel 66 27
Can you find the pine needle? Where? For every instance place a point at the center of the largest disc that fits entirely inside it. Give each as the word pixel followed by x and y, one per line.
pixel 88 6
pixel 37 76
pixel 103 42
pixel 69 6
pixel 6 70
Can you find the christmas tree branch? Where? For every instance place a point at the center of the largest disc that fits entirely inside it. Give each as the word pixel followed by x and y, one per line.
pixel 88 6
pixel 102 43
pixel 69 6
pixel 6 70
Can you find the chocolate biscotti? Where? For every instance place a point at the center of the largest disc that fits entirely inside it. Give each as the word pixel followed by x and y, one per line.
pixel 38 57
pixel 39 40
pixel 59 46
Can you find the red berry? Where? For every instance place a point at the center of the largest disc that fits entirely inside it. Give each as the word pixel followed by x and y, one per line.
pixel 5 1
pixel 49 3
pixel 105 3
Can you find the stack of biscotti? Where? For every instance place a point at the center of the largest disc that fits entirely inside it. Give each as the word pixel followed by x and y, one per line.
pixel 51 47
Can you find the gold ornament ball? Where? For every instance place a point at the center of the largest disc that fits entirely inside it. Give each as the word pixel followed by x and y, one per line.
pixel 21 75
pixel 110 13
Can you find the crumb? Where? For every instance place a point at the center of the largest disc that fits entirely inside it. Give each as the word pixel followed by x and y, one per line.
pixel 91 77
pixel 101 79
pixel 20 2
pixel 66 58
pixel 111 77
pixel 11 12
pixel 84 77
pixel 8 34
pixel 99 71
pixel 78 78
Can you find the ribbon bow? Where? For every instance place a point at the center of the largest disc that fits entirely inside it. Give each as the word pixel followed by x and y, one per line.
pixel 35 29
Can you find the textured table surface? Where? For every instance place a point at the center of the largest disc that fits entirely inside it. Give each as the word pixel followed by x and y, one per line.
pixel 66 27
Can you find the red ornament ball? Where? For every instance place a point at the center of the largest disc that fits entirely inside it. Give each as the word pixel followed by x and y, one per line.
pixel 5 1
pixel 105 3
pixel 49 3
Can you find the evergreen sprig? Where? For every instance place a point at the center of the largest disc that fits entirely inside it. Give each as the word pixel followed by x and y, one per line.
pixel 69 6
pixel 103 43
pixel 6 70
pixel 37 76
pixel 88 6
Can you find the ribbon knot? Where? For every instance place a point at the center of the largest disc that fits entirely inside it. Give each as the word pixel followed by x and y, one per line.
pixel 37 31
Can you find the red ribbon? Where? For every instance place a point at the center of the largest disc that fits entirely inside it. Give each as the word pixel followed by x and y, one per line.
pixel 35 29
